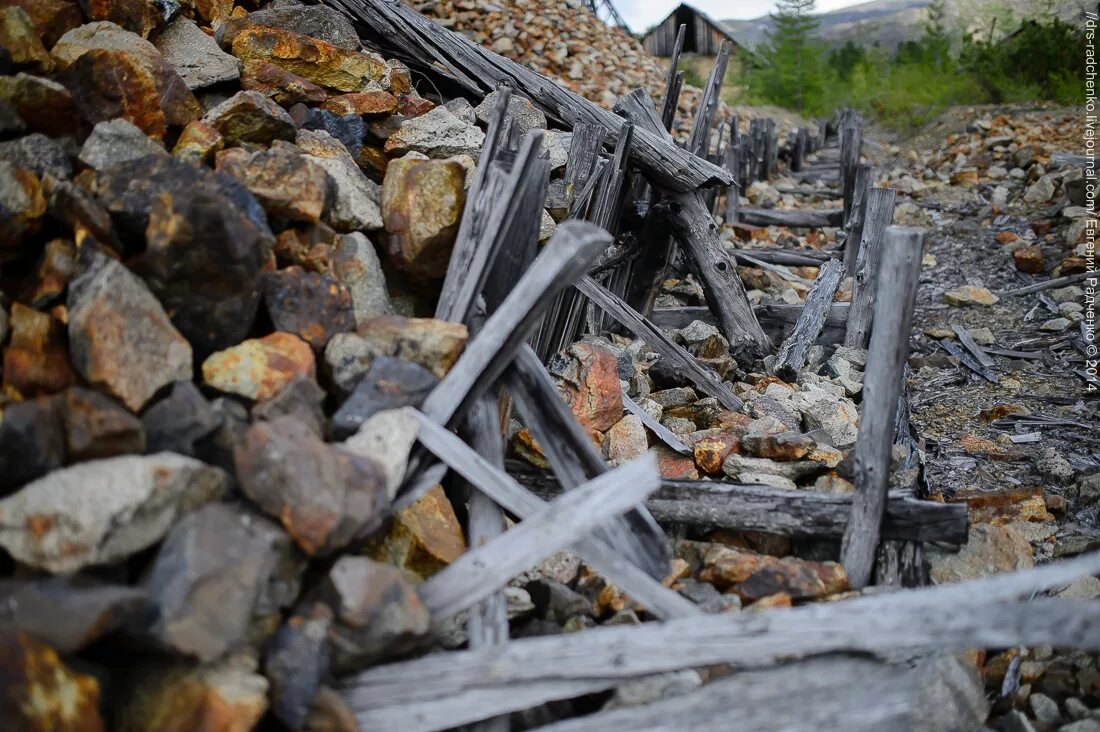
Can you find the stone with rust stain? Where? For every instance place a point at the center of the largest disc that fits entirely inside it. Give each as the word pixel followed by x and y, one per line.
pixel 754 576
pixel 44 105
pixel 249 116
pixel 203 260
pixel 434 344
pixel 989 550
pixel 137 16
pixel 1029 259
pixel 388 383
pixel 673 466
pixel 409 105
pixel 422 204
pixel 783 446
pixel 314 21
pixel 51 18
pixel 259 368
pixel 109 84
pixel 376 612
pixel 323 495
pixel 313 306
pixel 330 713
pixel 66 613
pixel 296 660
pixel 711 451
pixel 22 204
pixel 96 426
pixel 224 696
pixel 120 337
pixel 286 183
pixel 36 360
pixel 103 511
pixel 588 379
pixel 205 581
pixel 626 440
pixel 32 441
pixel 284 87
pixel 375 103
pixel 198 143
pixel 310 246
pixel 320 62
pixel 437 134
pixel 19 37
pixel 423 538
pixel 39 693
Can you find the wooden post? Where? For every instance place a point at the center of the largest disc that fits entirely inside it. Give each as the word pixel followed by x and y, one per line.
pixel 733 165
pixel 880 212
pixel 792 354
pixel 881 388
pixel 853 230
pixel 851 142
pixel 674 82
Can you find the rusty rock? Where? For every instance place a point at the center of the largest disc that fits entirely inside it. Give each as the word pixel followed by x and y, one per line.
pixel 1029 259
pixel 137 16
pixel 42 104
pixel 989 550
pixel 754 576
pixel 711 451
pixel 287 184
pixel 39 692
pixel 249 116
pixel 376 103
pixel 51 18
pixel 324 496
pixel 283 86
pixel 313 306
pixel 22 205
pixel 320 62
pixel 422 203
pixel 107 84
pixel 198 143
pixel 98 427
pixel 19 37
pixel 434 344
pixel 318 22
pixel 205 580
pixel 588 380
pixel 377 612
pixel 32 441
pixel 626 439
pixel 224 696
pixel 423 538
pixel 673 466
pixel 36 360
pixel 784 446
pixel 119 335
pixel 102 511
pixel 259 368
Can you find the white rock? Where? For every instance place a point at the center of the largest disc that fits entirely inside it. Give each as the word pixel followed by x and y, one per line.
pixel 438 134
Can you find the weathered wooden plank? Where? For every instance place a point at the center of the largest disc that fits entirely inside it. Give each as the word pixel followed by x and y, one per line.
pixel 880 212
pixel 792 353
pixel 1056 282
pixel 507 492
pixel 404 33
pixel 851 142
pixel 982 613
pixel 795 218
pixel 971 345
pixel 788 257
pixel 969 362
pixel 574 459
pixel 882 383
pixel 733 164
pixel 707 381
pixel 674 81
pixel 573 248
pixel 664 434
pixel 699 139
pixel 854 230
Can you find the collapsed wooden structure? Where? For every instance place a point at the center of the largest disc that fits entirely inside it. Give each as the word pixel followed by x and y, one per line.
pixel 641 205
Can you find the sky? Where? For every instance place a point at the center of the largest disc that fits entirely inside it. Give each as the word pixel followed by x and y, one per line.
pixel 641 14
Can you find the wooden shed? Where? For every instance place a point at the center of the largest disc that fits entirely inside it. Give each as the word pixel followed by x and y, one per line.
pixel 704 35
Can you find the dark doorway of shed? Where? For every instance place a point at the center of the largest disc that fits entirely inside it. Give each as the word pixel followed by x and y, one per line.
pixel 685 16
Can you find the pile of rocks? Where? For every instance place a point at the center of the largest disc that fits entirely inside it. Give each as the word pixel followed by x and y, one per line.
pixel 562 39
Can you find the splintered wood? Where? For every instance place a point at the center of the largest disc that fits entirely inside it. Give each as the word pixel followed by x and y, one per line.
pixel 634 212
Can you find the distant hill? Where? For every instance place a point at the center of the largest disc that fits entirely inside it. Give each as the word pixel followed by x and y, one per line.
pixel 889 22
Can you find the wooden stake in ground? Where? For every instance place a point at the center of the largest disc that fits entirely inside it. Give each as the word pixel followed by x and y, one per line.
pixel 881 388
pixel 879 213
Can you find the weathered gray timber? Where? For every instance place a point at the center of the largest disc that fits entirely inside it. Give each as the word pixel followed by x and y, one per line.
pixel 797 513
pixel 854 230
pixel 699 139
pixel 404 33
pixel 882 384
pixel 789 257
pixel 574 460
pixel 851 143
pixel 733 165
pixel 504 490
pixel 674 81
pixel 482 570
pixel 773 268
pixel 971 345
pixel 829 693
pixel 664 434
pixel 968 362
pixel 447 689
pixel 707 381
pixel 1052 283
pixel 795 218
pixel 879 214
pixel 792 353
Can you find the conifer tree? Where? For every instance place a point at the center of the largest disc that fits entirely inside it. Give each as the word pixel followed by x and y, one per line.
pixel 794 57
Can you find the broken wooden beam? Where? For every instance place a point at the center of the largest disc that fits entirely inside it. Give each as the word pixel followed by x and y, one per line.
pixel 795 218
pixel 866 280
pixel 793 352
pixel 482 570
pixel 882 383
pixel 404 33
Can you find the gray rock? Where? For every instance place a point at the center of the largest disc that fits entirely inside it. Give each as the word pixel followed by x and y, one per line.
pixel 32 441
pixel 833 419
pixel 301 398
pixel 1088 489
pixel 1016 721
pixel 1083 725
pixel 195 55
pixel 1075 708
pixel 1053 466
pixel 951 696
pixel 737 465
pixel 460 107
pixel 557 144
pixel 356 198
pixel 296 663
pixel 40 154
pixel 525 115
pixel 1041 190
pixel 1045 709
pixel 347 358
pixel 315 21
pixel 10 123
pixel 356 264
pixel 179 420
pixel 387 438
pixel 556 601
pixel 437 134
pixel 390 383
pixel 68 614
pixel 104 510
pixel 205 580
pixel 1085 588
pixel 116 141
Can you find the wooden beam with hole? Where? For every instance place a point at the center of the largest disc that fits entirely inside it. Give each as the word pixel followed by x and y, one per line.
pixel 794 218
